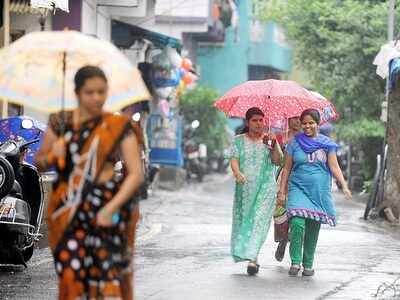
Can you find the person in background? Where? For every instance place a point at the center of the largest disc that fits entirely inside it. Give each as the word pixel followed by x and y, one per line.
pixel 294 129
pixel 310 163
pixel 91 215
pixel 253 165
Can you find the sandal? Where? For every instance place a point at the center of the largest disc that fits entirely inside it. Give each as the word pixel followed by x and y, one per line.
pixel 308 272
pixel 253 268
pixel 294 270
pixel 280 250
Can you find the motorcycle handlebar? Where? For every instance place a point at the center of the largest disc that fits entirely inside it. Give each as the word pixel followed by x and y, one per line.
pixel 25 145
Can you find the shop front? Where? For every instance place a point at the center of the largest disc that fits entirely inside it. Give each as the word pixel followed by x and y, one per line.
pixel 166 75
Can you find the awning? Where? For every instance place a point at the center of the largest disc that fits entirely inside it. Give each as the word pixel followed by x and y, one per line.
pixel 124 36
pixel 41 7
pixel 24 7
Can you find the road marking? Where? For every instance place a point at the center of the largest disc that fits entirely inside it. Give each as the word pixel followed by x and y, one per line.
pixel 154 230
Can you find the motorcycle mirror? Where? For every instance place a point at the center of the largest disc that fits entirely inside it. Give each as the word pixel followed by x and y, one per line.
pixel 136 117
pixel 27 124
pixel 195 124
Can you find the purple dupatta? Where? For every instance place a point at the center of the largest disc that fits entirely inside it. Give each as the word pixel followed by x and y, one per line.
pixel 310 145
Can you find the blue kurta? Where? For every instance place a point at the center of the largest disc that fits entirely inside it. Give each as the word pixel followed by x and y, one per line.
pixel 310 185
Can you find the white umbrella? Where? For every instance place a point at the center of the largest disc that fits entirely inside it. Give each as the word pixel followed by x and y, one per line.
pixel 37 71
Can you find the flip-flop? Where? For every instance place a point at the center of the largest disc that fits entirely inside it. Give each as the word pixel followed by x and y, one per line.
pixel 280 250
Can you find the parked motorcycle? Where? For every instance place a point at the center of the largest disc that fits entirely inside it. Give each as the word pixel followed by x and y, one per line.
pixel 21 202
pixel 218 163
pixel 150 171
pixel 195 154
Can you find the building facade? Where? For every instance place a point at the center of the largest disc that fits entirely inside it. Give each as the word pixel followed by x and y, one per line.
pixel 18 19
pixel 253 51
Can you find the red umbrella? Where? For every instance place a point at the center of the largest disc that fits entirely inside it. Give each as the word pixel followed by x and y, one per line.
pixel 278 99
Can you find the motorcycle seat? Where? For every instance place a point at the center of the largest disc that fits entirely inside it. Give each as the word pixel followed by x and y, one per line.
pixel 16 190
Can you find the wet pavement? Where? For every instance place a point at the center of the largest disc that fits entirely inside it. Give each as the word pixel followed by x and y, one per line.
pixel 183 254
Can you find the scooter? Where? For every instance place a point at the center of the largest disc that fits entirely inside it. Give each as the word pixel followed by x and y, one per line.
pixel 21 203
pixel 195 154
pixel 150 171
pixel 218 163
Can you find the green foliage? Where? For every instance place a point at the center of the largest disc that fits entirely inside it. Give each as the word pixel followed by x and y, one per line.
pixel 361 129
pixel 197 104
pixel 367 186
pixel 366 136
pixel 335 42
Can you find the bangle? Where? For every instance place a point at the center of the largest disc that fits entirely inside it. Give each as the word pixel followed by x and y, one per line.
pixel 106 211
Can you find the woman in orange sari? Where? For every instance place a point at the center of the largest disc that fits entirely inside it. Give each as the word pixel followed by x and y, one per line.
pixel 92 214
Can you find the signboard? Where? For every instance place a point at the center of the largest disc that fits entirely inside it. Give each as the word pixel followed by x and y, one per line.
pixel 50 4
pixel 165 140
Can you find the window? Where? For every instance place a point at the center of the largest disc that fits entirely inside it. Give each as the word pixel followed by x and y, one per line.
pixel 13 109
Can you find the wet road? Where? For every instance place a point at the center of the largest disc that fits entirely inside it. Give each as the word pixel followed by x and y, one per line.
pixel 183 254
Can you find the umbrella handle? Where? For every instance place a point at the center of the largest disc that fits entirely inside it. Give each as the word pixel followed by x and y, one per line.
pixel 269 125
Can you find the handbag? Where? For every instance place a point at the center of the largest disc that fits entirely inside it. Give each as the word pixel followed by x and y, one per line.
pixel 281 224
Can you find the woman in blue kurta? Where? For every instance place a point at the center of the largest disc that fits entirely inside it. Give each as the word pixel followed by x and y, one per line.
pixel 309 165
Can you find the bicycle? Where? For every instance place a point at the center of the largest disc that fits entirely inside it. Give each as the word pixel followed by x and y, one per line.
pixel 377 192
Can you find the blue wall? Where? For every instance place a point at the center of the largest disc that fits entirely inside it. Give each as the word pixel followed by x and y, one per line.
pixel 269 53
pixel 226 66
pixel 223 67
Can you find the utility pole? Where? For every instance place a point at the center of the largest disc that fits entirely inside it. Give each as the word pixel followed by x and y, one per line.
pixel 390 36
pixel 6 38
pixel 391 17
pixel 391 189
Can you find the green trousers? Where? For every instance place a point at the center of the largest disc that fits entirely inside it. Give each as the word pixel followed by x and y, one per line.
pixel 303 234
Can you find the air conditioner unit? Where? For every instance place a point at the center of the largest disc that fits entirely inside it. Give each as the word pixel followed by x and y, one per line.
pixel 126 8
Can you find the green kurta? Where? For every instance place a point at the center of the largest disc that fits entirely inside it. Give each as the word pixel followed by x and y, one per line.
pixel 254 201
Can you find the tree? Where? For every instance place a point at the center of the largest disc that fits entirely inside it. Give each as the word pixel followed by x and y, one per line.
pixel 335 41
pixel 392 182
pixel 197 104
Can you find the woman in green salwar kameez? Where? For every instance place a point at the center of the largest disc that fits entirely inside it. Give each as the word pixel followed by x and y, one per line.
pixel 254 155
